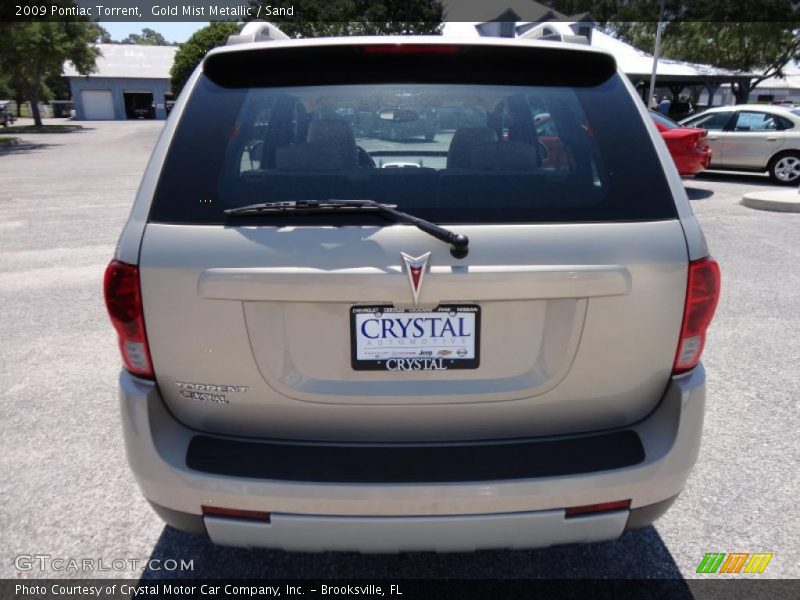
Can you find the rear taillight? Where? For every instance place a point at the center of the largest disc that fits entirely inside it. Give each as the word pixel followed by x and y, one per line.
pixel 124 303
pixel 702 294
pixel 699 141
pixel 701 144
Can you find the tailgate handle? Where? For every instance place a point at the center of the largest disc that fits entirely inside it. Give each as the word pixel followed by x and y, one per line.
pixel 443 283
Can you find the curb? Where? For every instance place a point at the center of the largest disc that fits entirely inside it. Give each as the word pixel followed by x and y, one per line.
pixel 786 201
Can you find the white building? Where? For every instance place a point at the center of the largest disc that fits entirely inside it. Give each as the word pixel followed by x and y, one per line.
pixel 131 82
pixel 779 88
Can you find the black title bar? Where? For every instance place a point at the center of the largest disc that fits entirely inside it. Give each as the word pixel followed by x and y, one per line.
pixel 374 10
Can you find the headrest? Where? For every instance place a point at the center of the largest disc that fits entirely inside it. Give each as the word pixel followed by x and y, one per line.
pixel 337 136
pixel 464 140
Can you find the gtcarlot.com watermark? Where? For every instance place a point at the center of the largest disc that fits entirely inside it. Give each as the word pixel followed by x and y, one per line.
pixel 63 564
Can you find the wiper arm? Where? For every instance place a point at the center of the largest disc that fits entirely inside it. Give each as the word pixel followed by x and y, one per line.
pixel 459 243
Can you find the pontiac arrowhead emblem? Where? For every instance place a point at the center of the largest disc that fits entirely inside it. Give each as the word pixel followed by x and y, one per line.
pixel 415 267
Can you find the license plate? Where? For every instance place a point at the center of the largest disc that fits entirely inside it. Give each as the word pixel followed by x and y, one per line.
pixel 384 338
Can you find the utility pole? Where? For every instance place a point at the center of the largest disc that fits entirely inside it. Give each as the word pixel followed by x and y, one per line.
pixel 656 52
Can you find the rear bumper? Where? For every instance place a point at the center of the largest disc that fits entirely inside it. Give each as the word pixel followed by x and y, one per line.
pixel 390 516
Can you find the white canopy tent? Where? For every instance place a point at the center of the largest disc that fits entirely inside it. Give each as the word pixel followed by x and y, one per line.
pixel 636 64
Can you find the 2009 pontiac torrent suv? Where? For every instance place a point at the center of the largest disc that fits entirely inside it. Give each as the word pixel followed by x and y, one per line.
pixel 337 341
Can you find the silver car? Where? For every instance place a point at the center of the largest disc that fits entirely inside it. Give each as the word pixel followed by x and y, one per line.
pixel 753 137
pixel 332 341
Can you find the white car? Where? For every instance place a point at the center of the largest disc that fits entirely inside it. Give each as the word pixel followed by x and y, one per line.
pixel 753 137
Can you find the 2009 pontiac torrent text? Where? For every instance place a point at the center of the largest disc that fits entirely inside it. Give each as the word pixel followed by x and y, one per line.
pixel 396 294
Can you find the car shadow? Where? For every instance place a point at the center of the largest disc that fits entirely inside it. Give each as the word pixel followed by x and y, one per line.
pixel 698 193
pixel 23 148
pixel 758 179
pixel 639 554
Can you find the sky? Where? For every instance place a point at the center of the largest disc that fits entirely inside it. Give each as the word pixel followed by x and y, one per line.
pixel 173 32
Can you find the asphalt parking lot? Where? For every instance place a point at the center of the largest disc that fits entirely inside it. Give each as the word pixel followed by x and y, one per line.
pixel 65 487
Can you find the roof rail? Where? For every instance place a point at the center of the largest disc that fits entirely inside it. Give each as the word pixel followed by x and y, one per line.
pixel 257 31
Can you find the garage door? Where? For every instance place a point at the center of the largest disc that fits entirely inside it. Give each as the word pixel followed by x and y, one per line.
pixel 97 105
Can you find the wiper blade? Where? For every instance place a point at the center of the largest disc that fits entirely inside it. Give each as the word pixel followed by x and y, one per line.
pixel 459 243
pixel 296 206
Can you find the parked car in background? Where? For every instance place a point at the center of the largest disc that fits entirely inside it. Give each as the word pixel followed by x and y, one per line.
pixel 687 145
pixel 144 112
pixel 454 117
pixel 480 343
pixel 405 123
pixel 753 137
pixel 7 116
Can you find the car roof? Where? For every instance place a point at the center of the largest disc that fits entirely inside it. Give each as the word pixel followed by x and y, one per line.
pixel 769 108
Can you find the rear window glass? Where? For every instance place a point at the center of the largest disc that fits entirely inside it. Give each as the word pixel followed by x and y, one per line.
pixel 716 121
pixel 665 121
pixel 758 121
pixel 446 152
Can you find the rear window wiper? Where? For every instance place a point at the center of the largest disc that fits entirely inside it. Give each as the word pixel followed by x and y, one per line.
pixel 459 243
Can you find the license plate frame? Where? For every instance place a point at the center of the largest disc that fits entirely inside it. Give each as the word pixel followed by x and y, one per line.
pixel 440 362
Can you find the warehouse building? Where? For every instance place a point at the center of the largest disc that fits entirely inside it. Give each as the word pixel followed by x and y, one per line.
pixel 131 82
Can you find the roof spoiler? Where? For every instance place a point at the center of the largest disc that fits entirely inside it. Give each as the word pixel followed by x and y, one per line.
pixel 557 37
pixel 257 31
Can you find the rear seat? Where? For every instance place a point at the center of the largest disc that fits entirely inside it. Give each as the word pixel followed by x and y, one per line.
pixel 330 146
pixel 478 165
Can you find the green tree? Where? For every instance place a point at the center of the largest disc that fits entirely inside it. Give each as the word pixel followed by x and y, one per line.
pixel 103 36
pixel 709 11
pixel 149 37
pixel 758 50
pixel 33 52
pixel 322 18
pixel 6 90
pixel 192 51
pixel 757 38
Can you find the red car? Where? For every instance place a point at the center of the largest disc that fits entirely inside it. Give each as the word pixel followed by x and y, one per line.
pixel 687 145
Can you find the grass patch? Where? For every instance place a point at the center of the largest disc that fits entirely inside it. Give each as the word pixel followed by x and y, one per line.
pixel 7 140
pixel 42 129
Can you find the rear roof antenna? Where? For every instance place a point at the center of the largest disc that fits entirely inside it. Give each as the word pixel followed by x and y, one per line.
pixel 257 31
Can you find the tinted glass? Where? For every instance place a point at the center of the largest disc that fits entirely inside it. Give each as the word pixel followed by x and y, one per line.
pixel 665 121
pixel 711 121
pixel 757 121
pixel 450 153
pixel 783 123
